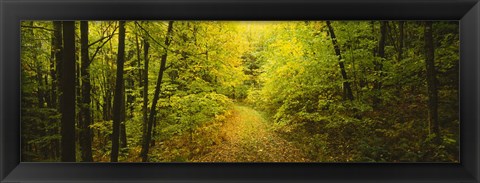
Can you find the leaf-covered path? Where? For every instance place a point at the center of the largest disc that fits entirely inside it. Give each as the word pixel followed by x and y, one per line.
pixel 248 137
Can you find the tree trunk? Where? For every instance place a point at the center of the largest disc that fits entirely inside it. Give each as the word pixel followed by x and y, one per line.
pixel 123 129
pixel 145 90
pixel 78 92
pixel 39 77
pixel 431 83
pixel 347 90
pixel 378 63
pixel 68 93
pixel 38 71
pixel 58 50
pixel 152 142
pixel 156 95
pixel 131 98
pixel 400 40
pixel 53 76
pixel 139 65
pixel 85 110
pixel 117 100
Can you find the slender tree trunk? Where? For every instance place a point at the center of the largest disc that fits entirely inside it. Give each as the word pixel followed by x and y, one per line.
pixel 145 90
pixel 123 129
pixel 68 93
pixel 400 43
pixel 78 95
pixel 139 64
pixel 400 40
pixel 131 98
pixel 378 63
pixel 153 111
pixel 52 94
pixel 117 100
pixel 381 43
pixel 152 142
pixel 47 93
pixel 40 90
pixel 85 110
pixel 38 71
pixel 346 84
pixel 434 126
pixel 107 98
pixel 58 41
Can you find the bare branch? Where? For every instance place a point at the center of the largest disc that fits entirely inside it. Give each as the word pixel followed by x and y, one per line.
pixel 103 44
pixel 95 42
pixel 148 34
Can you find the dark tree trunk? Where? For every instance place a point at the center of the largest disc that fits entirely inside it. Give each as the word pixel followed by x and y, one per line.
pixel 381 43
pixel 52 95
pixel 123 129
pixel 153 111
pixel 117 100
pixel 131 98
pixel 46 93
pixel 38 72
pixel 145 90
pixel 58 50
pixel 434 126
pixel 401 44
pixel 347 94
pixel 58 41
pixel 67 88
pixel 107 105
pixel 152 142
pixel 139 64
pixel 78 93
pixel 85 110
pixel 400 40
pixel 39 77
pixel 379 63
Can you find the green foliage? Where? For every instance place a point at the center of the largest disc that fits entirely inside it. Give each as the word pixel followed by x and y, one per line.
pixel 289 70
pixel 186 113
pixel 302 91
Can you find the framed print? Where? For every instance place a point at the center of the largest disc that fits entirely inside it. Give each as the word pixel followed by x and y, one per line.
pixel 239 91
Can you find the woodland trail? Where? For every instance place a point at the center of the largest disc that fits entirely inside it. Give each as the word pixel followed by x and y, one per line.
pixel 249 138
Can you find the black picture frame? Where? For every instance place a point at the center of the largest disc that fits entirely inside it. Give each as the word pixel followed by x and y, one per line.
pixel 13 11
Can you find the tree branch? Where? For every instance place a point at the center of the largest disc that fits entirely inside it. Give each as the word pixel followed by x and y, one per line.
pixel 35 27
pixel 103 44
pixel 95 42
pixel 148 34
pixel 101 39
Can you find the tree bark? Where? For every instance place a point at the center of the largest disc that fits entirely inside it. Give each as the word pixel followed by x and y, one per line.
pixel 39 78
pixel 53 87
pixel 117 100
pixel 378 63
pixel 347 94
pixel 145 89
pixel 67 88
pixel 152 141
pixel 153 111
pixel 38 71
pixel 123 128
pixel 58 47
pixel 58 63
pixel 431 83
pixel 400 40
pixel 85 110
pixel 139 65
pixel 78 91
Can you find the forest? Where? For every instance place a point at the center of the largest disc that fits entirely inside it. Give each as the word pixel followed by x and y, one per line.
pixel 240 91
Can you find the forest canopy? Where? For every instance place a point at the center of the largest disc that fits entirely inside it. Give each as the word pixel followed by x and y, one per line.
pixel 240 91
